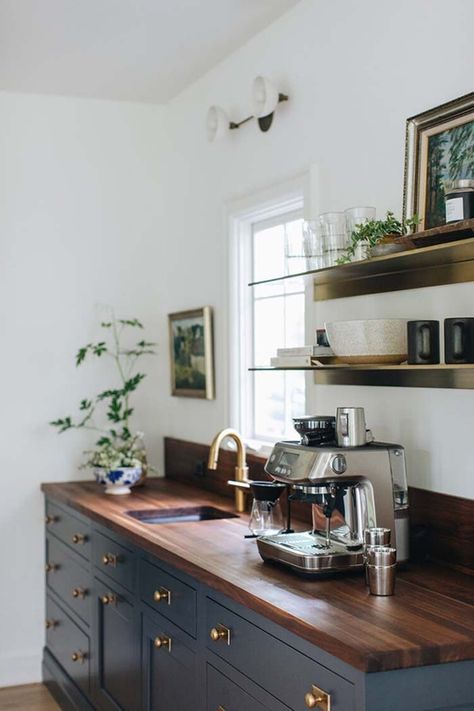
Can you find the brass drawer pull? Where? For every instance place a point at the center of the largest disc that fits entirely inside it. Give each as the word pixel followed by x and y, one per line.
pixel 109 599
pixel 50 519
pixel 79 657
pixel 110 559
pixel 317 699
pixel 79 538
pixel 79 593
pixel 163 642
pixel 162 595
pixel 220 632
pixel 51 567
pixel 51 624
pixel 220 708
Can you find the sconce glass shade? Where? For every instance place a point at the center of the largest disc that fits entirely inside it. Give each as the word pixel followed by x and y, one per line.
pixel 217 123
pixel 264 97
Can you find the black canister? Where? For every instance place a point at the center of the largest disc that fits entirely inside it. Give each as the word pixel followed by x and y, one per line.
pixel 459 340
pixel 423 342
pixel 459 200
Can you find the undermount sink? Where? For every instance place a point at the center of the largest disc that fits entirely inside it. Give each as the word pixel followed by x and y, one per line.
pixel 185 514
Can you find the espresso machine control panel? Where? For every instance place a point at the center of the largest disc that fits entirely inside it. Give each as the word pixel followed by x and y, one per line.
pixel 292 463
pixel 289 463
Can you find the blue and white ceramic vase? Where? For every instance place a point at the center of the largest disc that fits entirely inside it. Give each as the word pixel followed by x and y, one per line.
pixel 118 481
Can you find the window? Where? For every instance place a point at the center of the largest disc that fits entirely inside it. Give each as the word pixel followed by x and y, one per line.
pixel 270 316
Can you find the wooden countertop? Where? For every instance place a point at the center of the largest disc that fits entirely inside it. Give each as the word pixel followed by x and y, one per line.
pixel 429 620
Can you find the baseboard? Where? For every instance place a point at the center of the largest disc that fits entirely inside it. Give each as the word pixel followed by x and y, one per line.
pixel 16 670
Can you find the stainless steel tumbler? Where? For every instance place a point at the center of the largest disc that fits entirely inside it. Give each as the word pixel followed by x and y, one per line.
pixel 381 567
pixel 375 536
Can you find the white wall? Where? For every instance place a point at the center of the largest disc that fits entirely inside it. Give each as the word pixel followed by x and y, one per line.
pixel 84 186
pixel 354 73
pixel 79 228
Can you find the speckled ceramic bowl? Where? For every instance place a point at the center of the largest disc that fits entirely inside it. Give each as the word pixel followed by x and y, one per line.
pixel 380 340
pixel 118 481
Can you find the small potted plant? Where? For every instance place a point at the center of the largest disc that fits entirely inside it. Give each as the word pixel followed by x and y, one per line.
pixel 119 457
pixel 118 466
pixel 377 237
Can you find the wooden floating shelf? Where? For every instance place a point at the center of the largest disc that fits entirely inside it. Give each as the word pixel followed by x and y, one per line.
pixel 410 376
pixel 450 262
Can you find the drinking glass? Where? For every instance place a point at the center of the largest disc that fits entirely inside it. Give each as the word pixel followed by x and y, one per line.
pixel 334 236
pixel 357 216
pixel 313 245
pixel 295 255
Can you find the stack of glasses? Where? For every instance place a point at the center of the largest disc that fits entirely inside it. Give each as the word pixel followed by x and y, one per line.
pixel 325 240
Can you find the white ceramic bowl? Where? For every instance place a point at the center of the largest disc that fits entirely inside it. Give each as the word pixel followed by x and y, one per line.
pixel 118 481
pixel 378 340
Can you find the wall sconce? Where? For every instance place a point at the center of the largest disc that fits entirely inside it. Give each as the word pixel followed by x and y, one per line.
pixel 265 99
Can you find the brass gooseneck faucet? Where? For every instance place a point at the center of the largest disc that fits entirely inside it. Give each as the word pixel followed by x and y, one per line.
pixel 241 470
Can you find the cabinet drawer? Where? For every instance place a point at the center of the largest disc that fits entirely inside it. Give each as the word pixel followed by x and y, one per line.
pixel 272 663
pixel 68 644
pixel 114 560
pixel 68 579
pixel 169 596
pixel 70 530
pixel 224 695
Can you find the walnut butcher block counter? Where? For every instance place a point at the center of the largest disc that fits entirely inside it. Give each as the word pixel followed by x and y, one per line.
pixel 430 619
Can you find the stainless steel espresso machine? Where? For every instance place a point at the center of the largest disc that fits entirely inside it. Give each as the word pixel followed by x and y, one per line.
pixel 350 482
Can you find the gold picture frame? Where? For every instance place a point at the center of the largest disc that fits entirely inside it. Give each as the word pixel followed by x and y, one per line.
pixel 439 147
pixel 192 353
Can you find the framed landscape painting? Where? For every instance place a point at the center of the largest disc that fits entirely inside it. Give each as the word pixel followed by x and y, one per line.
pixel 191 353
pixel 439 149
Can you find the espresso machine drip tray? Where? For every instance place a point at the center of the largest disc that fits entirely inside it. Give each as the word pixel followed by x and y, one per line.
pixel 308 553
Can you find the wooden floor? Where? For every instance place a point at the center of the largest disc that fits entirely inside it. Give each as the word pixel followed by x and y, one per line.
pixel 33 697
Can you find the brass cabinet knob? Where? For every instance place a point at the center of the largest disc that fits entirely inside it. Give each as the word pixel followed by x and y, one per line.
pixel 163 642
pixel 79 657
pixel 50 567
pixel 50 624
pixel 317 699
pixel 50 519
pixel 79 593
pixel 78 538
pixel 220 632
pixel 109 599
pixel 162 595
pixel 110 559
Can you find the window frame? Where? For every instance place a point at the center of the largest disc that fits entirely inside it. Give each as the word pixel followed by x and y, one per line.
pixel 265 207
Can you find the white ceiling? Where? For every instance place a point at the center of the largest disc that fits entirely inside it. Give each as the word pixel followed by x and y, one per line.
pixel 136 50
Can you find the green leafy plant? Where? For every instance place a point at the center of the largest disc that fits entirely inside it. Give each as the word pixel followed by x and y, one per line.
pixel 374 232
pixel 116 444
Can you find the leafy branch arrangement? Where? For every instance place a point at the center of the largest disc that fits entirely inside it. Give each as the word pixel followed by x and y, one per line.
pixel 116 445
pixel 374 232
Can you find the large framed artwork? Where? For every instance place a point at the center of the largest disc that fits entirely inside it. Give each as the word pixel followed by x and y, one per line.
pixel 191 353
pixel 439 149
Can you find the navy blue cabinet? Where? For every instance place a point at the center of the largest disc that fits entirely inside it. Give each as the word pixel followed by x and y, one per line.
pixel 116 681
pixel 169 667
pixel 127 632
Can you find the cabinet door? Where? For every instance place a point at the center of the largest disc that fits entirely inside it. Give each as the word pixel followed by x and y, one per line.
pixel 224 695
pixel 117 658
pixel 170 671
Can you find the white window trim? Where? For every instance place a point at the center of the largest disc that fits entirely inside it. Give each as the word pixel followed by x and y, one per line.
pixel 270 203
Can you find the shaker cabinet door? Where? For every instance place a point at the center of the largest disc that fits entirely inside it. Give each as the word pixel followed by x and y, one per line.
pixel 169 667
pixel 224 695
pixel 117 659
